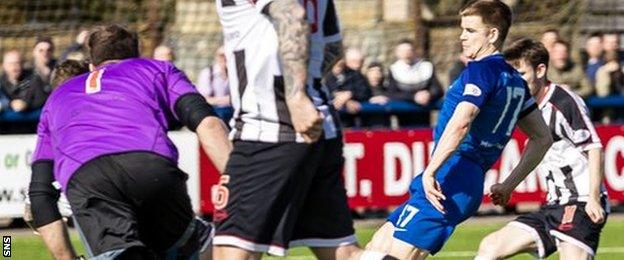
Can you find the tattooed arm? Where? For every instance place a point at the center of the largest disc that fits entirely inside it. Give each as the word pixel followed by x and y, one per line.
pixel 333 53
pixel 288 17
pixel 292 32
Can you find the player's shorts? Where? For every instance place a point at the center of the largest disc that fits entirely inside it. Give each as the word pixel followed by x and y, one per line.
pixel 134 205
pixel 418 223
pixel 554 223
pixel 276 195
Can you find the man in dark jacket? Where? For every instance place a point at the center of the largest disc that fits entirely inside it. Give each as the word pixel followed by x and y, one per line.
pixel 413 79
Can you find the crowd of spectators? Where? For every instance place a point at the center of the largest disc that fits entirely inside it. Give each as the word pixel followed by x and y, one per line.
pixel 409 79
pixel 24 88
pixel 598 72
pixel 26 85
pixel 358 84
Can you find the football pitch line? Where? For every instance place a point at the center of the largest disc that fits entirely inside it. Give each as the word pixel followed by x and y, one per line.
pixel 450 254
pixel 617 249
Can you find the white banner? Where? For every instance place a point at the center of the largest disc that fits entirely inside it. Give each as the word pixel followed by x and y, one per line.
pixel 16 154
pixel 188 148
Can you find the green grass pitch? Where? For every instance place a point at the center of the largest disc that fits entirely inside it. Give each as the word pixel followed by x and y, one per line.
pixel 462 244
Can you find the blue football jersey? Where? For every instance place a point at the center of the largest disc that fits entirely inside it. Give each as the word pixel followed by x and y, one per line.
pixel 502 97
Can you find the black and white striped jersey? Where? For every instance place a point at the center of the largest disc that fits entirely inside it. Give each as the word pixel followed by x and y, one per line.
pixel 255 72
pixel 566 162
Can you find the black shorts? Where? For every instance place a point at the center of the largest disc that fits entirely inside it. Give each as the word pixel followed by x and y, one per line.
pixel 569 223
pixel 277 195
pixel 132 200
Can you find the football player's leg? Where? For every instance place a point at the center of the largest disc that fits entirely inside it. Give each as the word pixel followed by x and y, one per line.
pixel 325 205
pixel 528 233
pixel 340 252
pixel 403 250
pixel 570 251
pixel 418 230
pixel 234 253
pixel 383 241
pixel 264 185
pixel 506 242
pixel 577 234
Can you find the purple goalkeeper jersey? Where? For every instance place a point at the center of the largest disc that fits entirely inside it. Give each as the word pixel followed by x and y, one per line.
pixel 120 107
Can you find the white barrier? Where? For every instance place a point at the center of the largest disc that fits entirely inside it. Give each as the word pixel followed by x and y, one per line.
pixel 15 158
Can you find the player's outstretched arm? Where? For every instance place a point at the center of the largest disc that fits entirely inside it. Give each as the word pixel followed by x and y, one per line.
pixel 539 142
pixel 593 208
pixel 288 16
pixel 213 136
pixel 196 114
pixel 454 133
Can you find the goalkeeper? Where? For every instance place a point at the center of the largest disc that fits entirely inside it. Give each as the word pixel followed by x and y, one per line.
pixel 103 137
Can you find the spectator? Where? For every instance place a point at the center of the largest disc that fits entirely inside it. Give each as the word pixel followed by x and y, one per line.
pixel 15 81
pixel 411 78
pixel 549 37
pixel 213 81
pixel 347 82
pixel 76 50
pixel 611 42
pixel 457 67
pixel 43 64
pixel 43 60
pixel 593 50
pixel 609 81
pixel 354 59
pixel 376 83
pixel 609 77
pixel 564 71
pixel 164 53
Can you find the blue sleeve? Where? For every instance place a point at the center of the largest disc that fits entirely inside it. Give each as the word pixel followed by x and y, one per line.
pixel 478 82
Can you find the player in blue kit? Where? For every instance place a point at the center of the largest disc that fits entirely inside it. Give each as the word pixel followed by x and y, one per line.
pixel 477 118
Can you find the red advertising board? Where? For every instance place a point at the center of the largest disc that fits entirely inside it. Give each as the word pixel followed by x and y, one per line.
pixel 380 164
